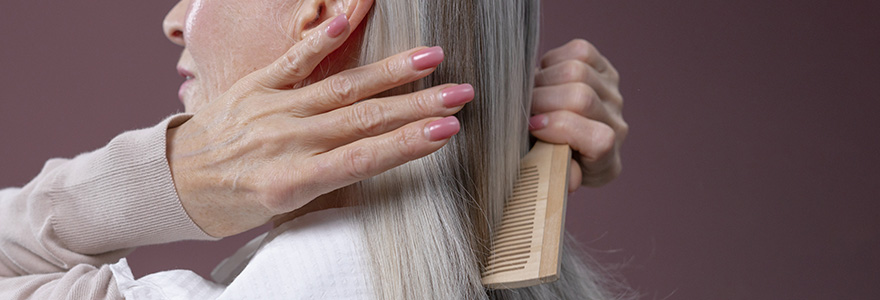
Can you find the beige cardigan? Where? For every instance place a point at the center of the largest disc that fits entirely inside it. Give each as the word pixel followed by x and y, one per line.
pixel 59 232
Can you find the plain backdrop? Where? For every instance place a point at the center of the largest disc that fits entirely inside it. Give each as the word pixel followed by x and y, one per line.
pixel 751 170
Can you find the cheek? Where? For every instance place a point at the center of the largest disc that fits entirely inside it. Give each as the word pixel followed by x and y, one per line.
pixel 230 39
pixel 204 37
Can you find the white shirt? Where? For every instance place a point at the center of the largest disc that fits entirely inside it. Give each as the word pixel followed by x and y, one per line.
pixel 317 256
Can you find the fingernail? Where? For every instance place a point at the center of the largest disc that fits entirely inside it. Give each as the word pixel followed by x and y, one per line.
pixel 442 129
pixel 337 26
pixel 427 58
pixel 457 95
pixel 538 122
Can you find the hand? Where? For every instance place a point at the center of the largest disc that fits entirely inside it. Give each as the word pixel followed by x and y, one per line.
pixel 263 149
pixel 577 102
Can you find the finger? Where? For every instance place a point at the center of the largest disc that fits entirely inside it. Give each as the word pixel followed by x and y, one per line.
pixel 378 116
pixel 353 85
pixel 594 141
pixel 574 177
pixel 602 176
pixel 579 50
pixel 577 97
pixel 369 157
pixel 299 62
pixel 572 71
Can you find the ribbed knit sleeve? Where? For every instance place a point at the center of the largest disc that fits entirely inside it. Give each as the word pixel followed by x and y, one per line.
pixel 92 210
pixel 120 196
pixel 80 282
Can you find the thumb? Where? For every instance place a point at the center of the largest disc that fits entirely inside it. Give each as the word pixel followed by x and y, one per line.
pixel 302 58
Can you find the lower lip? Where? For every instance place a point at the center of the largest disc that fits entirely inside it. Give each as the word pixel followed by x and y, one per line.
pixel 183 87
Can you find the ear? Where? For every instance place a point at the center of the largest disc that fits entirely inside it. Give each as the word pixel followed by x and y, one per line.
pixel 312 13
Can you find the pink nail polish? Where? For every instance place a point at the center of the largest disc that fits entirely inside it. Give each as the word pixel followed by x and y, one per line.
pixel 538 122
pixel 337 26
pixel 427 58
pixel 457 95
pixel 442 129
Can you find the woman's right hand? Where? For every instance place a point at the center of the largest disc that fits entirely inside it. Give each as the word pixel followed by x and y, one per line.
pixel 263 149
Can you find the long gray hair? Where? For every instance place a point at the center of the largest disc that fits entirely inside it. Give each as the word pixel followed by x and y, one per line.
pixel 428 223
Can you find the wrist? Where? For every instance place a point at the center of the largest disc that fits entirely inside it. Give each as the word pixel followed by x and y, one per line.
pixel 218 210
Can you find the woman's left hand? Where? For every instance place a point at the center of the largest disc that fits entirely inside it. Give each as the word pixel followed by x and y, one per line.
pixel 577 101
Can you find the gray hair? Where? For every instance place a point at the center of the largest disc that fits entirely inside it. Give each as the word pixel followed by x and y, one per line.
pixel 428 223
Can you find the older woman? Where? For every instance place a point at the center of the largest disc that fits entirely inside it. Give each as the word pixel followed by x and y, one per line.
pixel 264 136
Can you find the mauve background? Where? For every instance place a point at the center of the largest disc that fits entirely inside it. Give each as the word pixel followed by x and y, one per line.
pixel 750 171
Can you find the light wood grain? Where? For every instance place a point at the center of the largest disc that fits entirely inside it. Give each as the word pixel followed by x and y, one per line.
pixel 527 243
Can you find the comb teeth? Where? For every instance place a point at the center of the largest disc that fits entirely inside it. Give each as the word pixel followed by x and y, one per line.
pixel 512 243
pixel 518 255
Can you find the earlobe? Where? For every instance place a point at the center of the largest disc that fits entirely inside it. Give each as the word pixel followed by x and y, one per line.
pixel 312 13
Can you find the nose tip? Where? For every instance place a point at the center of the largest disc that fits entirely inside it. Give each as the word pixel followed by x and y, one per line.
pixel 172 26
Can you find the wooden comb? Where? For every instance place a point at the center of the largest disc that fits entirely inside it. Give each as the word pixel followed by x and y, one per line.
pixel 528 240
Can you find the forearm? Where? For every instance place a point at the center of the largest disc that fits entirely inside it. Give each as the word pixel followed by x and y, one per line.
pixel 80 282
pixel 119 196
pixel 94 208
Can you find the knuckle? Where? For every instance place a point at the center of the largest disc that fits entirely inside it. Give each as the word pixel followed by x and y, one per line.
pixel 312 46
pixel 582 48
pixel 367 117
pixel 583 97
pixel 580 45
pixel 359 162
pixel 603 143
pixel 291 66
pixel 340 89
pixel 408 142
pixel 423 103
pixel 392 70
pixel 314 42
pixel 574 71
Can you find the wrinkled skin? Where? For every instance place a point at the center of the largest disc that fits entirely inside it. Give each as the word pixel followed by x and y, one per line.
pixel 578 102
pixel 268 136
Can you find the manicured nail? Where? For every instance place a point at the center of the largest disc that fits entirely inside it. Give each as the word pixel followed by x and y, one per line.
pixel 457 95
pixel 442 129
pixel 337 26
pixel 538 122
pixel 427 58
